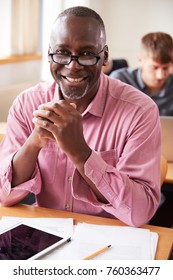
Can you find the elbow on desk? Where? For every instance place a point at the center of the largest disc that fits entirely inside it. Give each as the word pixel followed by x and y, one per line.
pixel 13 198
pixel 138 222
pixel 147 208
pixel 6 203
pixel 142 217
pixel 133 219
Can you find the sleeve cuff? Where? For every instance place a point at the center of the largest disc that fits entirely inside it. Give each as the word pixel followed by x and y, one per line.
pixel 95 167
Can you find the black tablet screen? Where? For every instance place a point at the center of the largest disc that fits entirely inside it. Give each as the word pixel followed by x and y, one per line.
pixel 22 242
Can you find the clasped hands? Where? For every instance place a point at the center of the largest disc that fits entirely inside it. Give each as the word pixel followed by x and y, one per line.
pixel 63 123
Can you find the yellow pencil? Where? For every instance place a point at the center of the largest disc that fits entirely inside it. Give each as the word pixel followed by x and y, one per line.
pixel 97 252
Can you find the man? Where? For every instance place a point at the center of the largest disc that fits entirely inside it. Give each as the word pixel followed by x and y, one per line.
pixel 84 143
pixel 153 75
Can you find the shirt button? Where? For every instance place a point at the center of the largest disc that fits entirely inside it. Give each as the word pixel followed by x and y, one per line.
pixel 69 178
pixel 109 194
pixel 67 206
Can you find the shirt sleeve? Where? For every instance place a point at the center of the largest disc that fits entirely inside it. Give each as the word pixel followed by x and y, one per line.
pixel 132 187
pixel 10 145
pixel 10 196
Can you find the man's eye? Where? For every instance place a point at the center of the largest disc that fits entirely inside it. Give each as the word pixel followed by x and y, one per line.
pixel 62 52
pixel 87 53
pixel 154 67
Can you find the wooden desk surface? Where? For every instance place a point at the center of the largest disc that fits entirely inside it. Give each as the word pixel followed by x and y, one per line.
pixel 169 175
pixel 165 234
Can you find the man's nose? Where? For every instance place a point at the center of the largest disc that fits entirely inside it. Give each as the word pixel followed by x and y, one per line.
pixel 74 64
pixel 160 74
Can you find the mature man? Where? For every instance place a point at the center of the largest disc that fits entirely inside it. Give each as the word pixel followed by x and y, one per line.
pixel 85 142
pixel 153 75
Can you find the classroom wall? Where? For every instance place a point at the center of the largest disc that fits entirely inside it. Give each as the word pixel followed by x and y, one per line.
pixel 14 78
pixel 128 20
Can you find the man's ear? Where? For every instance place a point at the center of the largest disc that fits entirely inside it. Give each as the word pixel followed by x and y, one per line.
pixel 106 56
pixel 139 59
pixel 49 51
pixel 105 63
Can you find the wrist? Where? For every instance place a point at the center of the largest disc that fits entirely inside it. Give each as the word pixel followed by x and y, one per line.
pixel 80 158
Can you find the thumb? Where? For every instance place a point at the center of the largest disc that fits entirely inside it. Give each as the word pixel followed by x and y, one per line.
pixel 73 105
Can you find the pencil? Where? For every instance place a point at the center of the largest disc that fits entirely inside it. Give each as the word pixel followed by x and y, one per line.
pixel 97 253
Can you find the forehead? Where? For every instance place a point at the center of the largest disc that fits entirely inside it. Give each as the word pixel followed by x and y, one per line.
pixel 70 30
pixel 149 59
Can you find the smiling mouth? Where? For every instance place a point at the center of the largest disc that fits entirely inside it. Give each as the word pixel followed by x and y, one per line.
pixel 73 80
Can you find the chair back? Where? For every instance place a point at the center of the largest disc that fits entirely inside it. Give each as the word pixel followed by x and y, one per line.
pixel 1 136
pixel 2 130
pixel 163 169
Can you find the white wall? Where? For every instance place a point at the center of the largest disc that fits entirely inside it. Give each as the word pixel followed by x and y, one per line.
pixel 128 20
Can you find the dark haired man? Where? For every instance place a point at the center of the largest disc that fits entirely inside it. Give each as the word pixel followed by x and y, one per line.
pixel 153 75
pixel 84 143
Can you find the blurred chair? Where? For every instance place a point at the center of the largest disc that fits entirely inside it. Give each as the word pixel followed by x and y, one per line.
pixel 30 199
pixel 159 217
pixel 163 169
pixel 114 64
pixel 2 130
pixel 1 136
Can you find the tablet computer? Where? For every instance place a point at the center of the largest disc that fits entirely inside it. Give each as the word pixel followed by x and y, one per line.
pixel 23 242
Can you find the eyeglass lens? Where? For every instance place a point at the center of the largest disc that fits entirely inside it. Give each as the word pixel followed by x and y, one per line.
pixel 83 60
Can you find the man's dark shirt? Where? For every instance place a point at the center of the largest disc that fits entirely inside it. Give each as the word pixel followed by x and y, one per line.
pixel 163 99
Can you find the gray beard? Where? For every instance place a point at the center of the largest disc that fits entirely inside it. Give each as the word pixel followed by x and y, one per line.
pixel 72 94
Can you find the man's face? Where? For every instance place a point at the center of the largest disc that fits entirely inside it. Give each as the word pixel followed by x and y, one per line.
pixel 77 36
pixel 154 74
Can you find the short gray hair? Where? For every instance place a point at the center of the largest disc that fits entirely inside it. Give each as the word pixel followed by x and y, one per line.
pixel 81 11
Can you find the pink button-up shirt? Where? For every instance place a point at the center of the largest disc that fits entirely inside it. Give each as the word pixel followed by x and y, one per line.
pixel 121 125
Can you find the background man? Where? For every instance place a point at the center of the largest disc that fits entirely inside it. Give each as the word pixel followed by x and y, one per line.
pixel 153 75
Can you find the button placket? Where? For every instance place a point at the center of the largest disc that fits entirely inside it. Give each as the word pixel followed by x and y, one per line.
pixel 68 205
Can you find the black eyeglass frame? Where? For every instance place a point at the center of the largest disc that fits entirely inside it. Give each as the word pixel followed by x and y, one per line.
pixel 76 57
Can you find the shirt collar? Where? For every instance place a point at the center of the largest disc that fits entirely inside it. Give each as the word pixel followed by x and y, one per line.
pixel 57 93
pixel 97 105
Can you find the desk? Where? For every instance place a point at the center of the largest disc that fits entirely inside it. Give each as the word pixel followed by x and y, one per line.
pixel 169 175
pixel 165 234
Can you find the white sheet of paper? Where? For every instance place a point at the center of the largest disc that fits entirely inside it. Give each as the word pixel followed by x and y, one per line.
pixel 126 243
pixel 62 226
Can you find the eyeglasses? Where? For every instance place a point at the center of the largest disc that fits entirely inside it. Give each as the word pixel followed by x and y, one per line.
pixel 84 60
